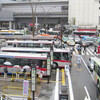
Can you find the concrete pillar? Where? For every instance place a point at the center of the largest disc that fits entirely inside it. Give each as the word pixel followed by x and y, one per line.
pixel 10 25
pixel 36 24
pixel 14 25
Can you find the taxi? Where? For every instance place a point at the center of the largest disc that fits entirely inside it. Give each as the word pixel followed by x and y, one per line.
pixel 71 42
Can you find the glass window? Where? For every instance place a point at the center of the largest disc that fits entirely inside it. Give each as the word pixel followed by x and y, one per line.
pixel 64 8
pixel 96 67
pixel 2 60
pixel 57 56
pixel 66 56
pixel 98 71
pixel 9 44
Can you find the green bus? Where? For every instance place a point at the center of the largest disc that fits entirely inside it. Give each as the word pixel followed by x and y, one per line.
pixel 96 71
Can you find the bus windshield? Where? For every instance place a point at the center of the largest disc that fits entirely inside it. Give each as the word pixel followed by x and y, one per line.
pixel 62 56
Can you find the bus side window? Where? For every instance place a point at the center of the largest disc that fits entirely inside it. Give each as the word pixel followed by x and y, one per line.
pixel 98 71
pixel 44 64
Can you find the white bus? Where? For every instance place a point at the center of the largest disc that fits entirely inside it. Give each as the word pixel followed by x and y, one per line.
pixel 60 56
pixel 32 44
pixel 95 62
pixel 11 32
pixel 23 59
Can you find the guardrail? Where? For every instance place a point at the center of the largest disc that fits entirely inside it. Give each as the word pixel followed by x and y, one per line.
pixel 15 91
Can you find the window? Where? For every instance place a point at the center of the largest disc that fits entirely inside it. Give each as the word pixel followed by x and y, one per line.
pixel 64 8
pixel 2 61
pixel 98 71
pixel 57 56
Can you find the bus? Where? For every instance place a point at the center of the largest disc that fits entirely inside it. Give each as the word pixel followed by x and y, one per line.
pixel 11 32
pixel 23 59
pixel 85 32
pixel 60 56
pixel 95 62
pixel 32 44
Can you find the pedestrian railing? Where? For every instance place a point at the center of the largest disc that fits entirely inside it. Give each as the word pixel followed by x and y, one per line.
pixel 15 91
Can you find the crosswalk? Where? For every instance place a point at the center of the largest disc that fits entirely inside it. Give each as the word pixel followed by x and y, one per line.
pixel 89 51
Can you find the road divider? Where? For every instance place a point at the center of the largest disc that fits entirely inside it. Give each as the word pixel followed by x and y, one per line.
pixel 56 94
pixel 71 94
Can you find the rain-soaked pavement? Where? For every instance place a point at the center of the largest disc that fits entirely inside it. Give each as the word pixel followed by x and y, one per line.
pixel 44 90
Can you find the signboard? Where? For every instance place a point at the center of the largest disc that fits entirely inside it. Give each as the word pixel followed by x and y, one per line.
pixel 25 87
pixel 51 53
pixel 33 79
pixel 48 66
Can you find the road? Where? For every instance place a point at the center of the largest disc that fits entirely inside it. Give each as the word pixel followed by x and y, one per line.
pixel 82 80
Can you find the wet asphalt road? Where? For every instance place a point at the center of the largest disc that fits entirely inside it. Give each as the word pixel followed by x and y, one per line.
pixel 82 79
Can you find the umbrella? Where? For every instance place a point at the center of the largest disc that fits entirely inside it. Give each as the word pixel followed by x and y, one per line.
pixel 26 67
pixel 7 63
pixel 16 66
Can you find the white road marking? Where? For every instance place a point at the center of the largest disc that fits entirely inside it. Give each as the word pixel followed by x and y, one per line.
pixel 90 52
pixel 56 95
pixel 87 68
pixel 74 53
pixel 91 49
pixel 88 96
pixel 71 94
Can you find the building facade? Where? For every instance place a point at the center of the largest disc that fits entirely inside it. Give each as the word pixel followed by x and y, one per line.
pixel 17 15
pixel 85 12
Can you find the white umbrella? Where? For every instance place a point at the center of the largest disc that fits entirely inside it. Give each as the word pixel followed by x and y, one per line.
pixel 16 66
pixel 7 63
pixel 26 67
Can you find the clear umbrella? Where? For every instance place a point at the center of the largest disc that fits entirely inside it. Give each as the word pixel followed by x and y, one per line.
pixel 16 66
pixel 7 63
pixel 26 67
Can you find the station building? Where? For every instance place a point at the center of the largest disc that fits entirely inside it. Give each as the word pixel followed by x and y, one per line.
pixel 17 14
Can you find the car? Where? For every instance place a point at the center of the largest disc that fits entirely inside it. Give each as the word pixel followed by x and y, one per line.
pixel 70 42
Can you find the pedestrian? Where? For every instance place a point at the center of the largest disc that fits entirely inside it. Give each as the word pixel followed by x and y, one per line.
pixel 25 74
pixel 79 50
pixel 5 71
pixel 17 73
pixel 40 75
pixel 84 49
pixel 79 61
pixel 95 49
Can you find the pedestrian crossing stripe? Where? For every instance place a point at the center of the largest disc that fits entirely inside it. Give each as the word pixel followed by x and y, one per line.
pixel 88 52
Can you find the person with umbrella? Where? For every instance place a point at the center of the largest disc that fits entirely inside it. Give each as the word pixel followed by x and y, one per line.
pixel 6 69
pixel 25 70
pixel 17 70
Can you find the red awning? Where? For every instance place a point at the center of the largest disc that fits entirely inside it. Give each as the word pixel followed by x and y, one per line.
pixel 86 29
